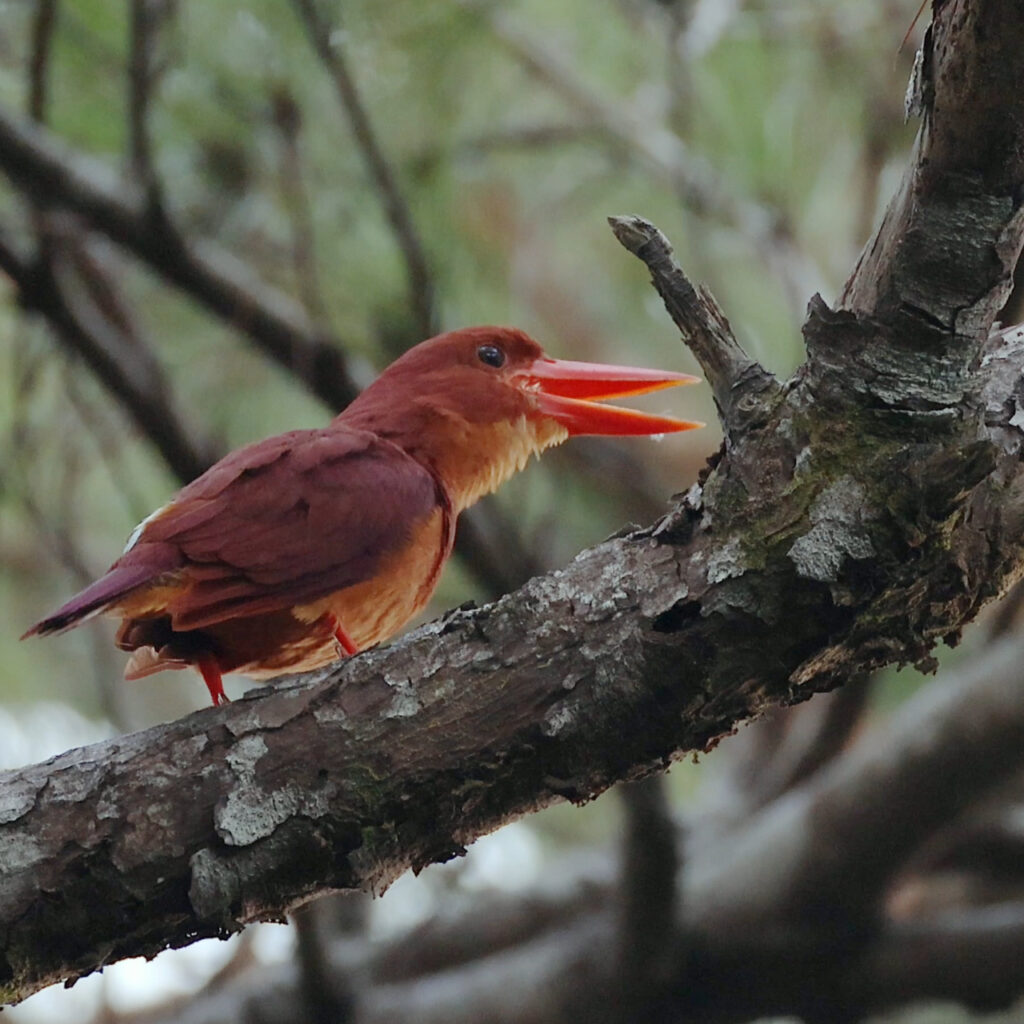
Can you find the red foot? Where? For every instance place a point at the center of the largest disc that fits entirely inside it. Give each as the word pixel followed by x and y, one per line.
pixel 210 671
pixel 344 641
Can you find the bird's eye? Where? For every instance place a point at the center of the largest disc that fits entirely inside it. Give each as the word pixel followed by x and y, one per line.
pixel 491 355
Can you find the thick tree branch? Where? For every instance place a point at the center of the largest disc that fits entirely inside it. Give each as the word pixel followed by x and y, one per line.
pixel 774 941
pixel 870 510
pixel 962 190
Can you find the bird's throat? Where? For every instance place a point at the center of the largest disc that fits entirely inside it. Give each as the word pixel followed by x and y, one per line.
pixel 484 456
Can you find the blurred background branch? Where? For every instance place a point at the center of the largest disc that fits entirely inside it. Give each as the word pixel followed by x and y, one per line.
pixel 328 41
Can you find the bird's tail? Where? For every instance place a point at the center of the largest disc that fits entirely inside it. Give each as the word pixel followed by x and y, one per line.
pixel 145 661
pixel 95 599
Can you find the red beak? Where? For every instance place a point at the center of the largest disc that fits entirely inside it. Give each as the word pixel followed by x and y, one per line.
pixel 566 390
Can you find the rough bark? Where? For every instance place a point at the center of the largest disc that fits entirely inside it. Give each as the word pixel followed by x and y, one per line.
pixel 858 514
pixel 780 913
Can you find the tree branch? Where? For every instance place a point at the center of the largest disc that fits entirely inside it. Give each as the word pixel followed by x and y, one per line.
pixel 843 957
pixel 740 385
pixel 699 186
pixel 103 338
pixel 43 26
pixel 326 993
pixel 648 941
pixel 146 18
pixel 962 186
pixel 287 117
pixel 332 56
pixel 971 956
pixel 45 170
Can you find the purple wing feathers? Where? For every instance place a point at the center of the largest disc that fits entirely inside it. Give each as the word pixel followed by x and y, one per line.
pixel 108 589
pixel 281 522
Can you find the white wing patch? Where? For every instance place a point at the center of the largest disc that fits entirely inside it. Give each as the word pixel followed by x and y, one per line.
pixel 133 539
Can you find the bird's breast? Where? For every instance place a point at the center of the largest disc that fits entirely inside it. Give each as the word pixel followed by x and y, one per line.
pixel 370 611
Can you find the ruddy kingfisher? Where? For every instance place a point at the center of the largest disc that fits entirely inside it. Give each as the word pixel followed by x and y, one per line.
pixel 292 550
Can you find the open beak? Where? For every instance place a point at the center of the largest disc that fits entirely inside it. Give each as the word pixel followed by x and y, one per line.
pixel 568 391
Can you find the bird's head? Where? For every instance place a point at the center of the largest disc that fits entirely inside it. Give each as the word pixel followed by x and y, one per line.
pixel 476 403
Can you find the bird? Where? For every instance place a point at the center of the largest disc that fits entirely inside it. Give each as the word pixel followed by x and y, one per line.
pixel 315 544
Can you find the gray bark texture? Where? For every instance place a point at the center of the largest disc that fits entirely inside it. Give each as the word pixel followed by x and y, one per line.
pixel 729 914
pixel 856 515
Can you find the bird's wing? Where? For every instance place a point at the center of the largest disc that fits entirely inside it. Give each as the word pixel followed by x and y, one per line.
pixel 279 523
